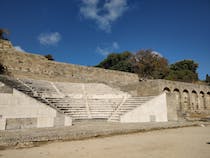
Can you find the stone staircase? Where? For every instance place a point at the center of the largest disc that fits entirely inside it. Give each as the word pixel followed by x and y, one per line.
pixel 20 86
pixel 73 107
pixel 102 108
pixel 42 88
pixel 129 104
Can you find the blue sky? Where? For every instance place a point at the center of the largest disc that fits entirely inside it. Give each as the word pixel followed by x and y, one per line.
pixel 85 31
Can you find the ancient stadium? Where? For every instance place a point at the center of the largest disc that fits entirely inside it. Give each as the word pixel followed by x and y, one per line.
pixel 46 97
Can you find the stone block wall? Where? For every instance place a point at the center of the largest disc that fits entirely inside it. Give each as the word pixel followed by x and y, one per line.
pixel 18 110
pixel 27 65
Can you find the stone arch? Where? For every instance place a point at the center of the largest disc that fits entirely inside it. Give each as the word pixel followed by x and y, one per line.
pixel 201 100
pixel 185 100
pixel 194 100
pixel 166 90
pixel 177 95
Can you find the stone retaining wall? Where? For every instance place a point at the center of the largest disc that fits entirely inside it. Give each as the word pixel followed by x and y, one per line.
pixel 18 111
pixel 25 65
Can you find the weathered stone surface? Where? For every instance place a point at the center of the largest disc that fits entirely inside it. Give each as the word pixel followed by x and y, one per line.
pixel 81 130
pixel 25 65
pixel 20 123
pixel 18 110
pixel 5 45
pixel 5 89
pixel 184 100
pixel 154 110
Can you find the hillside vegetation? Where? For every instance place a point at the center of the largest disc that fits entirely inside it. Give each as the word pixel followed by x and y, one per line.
pixel 151 65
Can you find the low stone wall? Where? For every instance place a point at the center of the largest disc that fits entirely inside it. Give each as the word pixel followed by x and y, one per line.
pixel 18 111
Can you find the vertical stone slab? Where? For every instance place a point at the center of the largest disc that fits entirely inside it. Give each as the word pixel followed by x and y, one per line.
pixel 2 123
pixel 172 106
pixel 59 120
pixel 68 121
pixel 45 122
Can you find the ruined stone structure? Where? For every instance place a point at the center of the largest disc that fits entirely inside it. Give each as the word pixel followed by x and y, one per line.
pixel 184 100
pixel 61 93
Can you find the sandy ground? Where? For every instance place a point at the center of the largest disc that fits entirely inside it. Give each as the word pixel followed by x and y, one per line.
pixel 190 142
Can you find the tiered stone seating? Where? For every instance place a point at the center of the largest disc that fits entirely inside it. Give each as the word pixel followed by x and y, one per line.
pixel 20 86
pixel 102 108
pixel 76 108
pixel 70 89
pixel 79 100
pixel 58 95
pixel 130 104
pixel 102 100
pixel 101 89
pixel 42 88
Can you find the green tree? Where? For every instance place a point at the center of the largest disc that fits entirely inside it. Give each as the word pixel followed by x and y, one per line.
pixel 116 61
pixel 148 64
pixel 3 70
pixel 207 79
pixel 185 70
pixel 3 34
pixel 49 57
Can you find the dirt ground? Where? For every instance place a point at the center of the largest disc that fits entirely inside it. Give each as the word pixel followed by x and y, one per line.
pixel 190 142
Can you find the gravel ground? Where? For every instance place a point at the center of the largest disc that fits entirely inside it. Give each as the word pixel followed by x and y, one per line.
pixel 189 142
pixel 81 130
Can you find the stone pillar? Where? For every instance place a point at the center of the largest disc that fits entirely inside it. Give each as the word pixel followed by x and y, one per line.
pixel 2 123
pixel 207 101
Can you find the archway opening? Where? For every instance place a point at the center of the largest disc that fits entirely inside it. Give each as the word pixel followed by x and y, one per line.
pixel 186 100
pixel 166 90
pixel 177 95
pixel 202 104
pixel 194 101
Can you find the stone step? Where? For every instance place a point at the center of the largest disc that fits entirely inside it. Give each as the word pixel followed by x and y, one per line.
pixel 130 104
pixel 74 109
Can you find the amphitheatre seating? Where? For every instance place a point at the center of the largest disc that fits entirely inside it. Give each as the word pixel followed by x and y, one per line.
pixel 101 89
pixel 102 108
pixel 70 89
pixel 42 88
pixel 129 104
pixel 76 108
pixel 79 100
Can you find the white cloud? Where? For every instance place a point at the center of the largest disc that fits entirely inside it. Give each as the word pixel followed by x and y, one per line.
pixel 102 51
pixel 18 48
pixel 107 49
pixel 157 53
pixel 115 45
pixel 49 38
pixel 105 15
